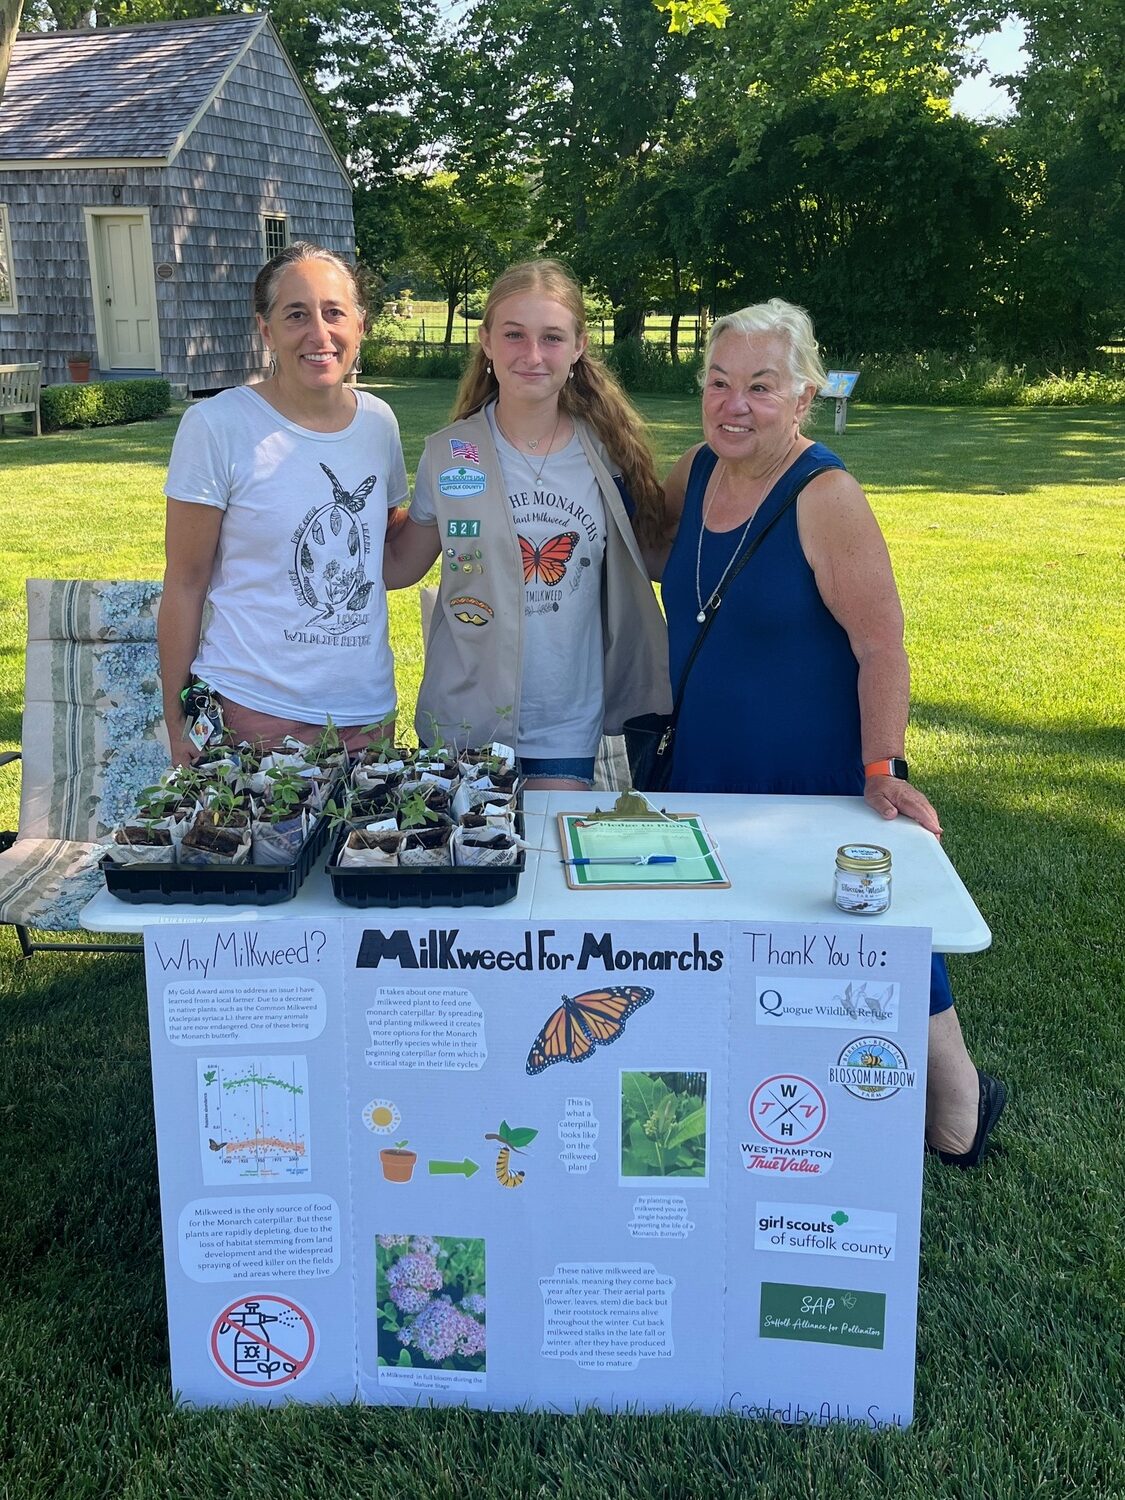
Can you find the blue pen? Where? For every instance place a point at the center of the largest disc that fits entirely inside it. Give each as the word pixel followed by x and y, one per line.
pixel 629 858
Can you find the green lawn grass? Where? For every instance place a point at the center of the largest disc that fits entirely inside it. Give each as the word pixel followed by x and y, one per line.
pixel 1006 531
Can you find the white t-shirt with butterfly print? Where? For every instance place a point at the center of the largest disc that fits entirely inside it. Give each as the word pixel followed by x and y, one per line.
pixel 560 522
pixel 298 618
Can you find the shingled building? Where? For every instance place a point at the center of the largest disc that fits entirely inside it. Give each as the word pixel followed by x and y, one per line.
pixel 145 174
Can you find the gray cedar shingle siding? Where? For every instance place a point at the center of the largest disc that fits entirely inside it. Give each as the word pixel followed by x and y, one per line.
pixel 257 149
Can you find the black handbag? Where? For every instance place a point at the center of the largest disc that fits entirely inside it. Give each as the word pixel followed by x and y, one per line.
pixel 648 744
pixel 650 739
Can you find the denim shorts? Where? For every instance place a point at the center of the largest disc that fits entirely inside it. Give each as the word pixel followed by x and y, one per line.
pixel 573 767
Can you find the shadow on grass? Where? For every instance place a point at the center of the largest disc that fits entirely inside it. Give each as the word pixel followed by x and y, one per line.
pixel 978 450
pixel 137 443
pixel 1077 741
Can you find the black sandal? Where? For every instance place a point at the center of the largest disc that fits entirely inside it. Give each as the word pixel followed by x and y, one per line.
pixel 993 1097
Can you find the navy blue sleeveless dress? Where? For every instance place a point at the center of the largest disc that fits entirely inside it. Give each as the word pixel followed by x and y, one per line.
pixel 772 702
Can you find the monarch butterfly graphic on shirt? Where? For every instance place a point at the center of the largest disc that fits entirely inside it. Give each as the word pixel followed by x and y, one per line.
pixel 547 562
pixel 331 549
pixel 594 1019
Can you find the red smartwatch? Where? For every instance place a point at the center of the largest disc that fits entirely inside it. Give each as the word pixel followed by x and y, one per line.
pixel 895 767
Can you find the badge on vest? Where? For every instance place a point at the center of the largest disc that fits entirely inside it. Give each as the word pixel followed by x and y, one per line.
pixel 462 483
pixel 471 611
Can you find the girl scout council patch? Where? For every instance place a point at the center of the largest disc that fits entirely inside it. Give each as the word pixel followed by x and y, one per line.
pixel 462 483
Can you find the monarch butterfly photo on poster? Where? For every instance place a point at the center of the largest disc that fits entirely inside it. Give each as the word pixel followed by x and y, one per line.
pixel 581 1023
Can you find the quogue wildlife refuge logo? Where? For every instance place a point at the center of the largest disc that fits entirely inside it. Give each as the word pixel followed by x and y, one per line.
pixel 873 1068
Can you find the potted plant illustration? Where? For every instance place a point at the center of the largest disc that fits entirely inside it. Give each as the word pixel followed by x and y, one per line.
pixel 78 367
pixel 398 1162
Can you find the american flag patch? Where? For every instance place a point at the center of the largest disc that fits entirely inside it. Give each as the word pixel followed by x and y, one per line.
pixel 466 452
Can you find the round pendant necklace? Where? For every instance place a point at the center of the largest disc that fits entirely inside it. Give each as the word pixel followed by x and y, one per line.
pixel 715 598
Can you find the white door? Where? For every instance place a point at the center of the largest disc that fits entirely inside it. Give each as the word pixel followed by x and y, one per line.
pixel 124 284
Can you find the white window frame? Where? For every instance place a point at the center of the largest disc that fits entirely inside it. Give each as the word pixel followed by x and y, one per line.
pixel 10 303
pixel 268 220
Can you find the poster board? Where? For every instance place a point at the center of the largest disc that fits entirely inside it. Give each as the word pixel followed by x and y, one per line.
pixel 715 1206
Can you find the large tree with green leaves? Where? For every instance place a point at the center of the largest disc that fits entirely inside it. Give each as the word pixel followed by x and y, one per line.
pixel 462 230
pixel 1060 268
pixel 580 99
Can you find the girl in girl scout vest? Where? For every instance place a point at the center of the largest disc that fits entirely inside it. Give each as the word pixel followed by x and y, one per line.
pixel 537 499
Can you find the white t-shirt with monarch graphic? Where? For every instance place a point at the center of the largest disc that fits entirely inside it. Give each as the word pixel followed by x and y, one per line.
pixel 560 522
pixel 298 612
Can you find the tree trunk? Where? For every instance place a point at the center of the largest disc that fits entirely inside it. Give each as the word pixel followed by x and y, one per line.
pixel 451 310
pixel 628 323
pixel 674 325
pixel 9 25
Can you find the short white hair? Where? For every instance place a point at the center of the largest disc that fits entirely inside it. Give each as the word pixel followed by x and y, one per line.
pixel 791 323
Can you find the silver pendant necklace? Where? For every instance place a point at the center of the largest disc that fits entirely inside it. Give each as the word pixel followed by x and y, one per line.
pixel 715 598
pixel 538 473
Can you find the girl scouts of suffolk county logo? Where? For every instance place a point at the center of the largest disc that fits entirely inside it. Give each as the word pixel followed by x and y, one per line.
pixel 872 1068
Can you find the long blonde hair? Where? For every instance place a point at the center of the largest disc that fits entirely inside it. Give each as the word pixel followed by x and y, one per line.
pixel 591 394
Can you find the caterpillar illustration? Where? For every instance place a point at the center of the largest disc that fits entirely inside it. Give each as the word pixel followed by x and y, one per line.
pixel 503 1176
pixel 511 1139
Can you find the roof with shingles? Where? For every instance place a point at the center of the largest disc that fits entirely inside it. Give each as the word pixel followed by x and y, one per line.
pixel 117 91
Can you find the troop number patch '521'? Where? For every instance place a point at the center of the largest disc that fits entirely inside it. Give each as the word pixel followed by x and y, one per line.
pixel 462 528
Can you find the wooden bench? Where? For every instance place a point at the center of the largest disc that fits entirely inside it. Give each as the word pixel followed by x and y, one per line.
pixel 19 392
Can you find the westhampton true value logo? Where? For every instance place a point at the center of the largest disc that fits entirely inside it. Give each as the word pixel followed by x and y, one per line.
pixel 821 1229
pixel 787 1112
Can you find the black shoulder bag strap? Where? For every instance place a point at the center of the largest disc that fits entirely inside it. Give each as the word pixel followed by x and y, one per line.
pixel 665 745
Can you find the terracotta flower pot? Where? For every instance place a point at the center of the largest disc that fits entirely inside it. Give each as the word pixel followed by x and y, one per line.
pixel 398 1165
pixel 79 370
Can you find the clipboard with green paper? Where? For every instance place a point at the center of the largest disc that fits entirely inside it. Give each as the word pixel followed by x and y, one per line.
pixel 670 852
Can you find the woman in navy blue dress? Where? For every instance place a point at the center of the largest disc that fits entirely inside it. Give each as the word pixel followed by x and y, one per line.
pixel 812 627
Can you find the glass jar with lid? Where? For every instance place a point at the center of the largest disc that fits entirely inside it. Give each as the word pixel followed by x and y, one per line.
pixel 863 879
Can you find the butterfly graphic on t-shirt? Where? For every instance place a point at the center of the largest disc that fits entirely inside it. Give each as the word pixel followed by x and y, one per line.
pixel 547 562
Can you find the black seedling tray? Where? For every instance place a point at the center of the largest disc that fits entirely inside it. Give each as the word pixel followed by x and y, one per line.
pixel 221 885
pixel 422 886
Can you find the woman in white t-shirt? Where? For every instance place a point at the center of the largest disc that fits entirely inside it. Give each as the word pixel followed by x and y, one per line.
pixel 281 496
pixel 537 498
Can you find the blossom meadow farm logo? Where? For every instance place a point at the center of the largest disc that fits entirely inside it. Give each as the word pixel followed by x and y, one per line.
pixel 871 1067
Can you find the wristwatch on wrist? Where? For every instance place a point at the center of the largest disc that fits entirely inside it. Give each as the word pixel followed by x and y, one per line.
pixel 895 766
